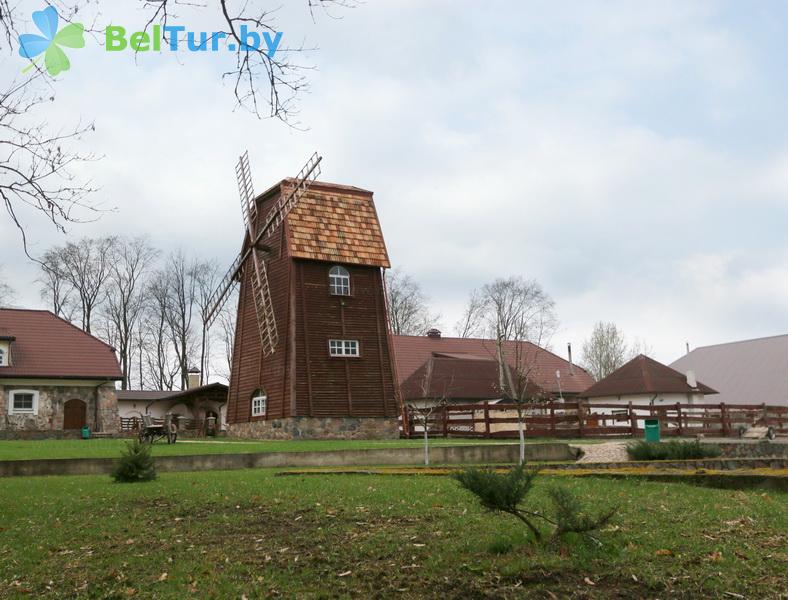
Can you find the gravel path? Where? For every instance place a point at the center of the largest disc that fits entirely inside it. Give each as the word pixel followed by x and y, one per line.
pixel 604 452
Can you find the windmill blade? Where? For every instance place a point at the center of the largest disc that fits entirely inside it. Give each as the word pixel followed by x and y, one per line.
pixel 222 292
pixel 243 174
pixel 264 307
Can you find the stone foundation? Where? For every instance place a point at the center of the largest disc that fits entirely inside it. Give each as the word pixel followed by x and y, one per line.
pixel 318 428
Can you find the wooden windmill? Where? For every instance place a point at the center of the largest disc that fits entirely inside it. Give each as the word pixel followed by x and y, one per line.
pixel 311 355
pixel 256 250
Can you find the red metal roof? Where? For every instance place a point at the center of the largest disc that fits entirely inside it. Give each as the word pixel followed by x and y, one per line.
pixel 412 352
pixel 644 375
pixel 47 346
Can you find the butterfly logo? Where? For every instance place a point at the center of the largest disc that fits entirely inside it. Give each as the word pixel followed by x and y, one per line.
pixel 49 43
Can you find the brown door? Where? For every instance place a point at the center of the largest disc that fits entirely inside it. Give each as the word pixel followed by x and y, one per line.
pixel 74 414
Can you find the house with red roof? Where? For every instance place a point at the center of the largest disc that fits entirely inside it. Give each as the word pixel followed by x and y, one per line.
pixel 54 377
pixel 465 370
pixel 647 382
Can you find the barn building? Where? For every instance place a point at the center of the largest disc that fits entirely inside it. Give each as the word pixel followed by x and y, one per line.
pixel 54 377
pixel 331 372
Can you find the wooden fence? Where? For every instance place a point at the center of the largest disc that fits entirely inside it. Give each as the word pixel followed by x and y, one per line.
pixel 134 424
pixel 594 419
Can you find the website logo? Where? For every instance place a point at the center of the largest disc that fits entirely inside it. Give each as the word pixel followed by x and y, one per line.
pixel 177 37
pixel 51 42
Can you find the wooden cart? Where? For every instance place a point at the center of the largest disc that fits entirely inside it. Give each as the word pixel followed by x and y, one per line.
pixel 153 430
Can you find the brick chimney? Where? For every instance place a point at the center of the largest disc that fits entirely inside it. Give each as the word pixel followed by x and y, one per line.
pixel 434 334
pixel 193 379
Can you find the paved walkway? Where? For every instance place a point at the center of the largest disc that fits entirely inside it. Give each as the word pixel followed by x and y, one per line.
pixel 604 452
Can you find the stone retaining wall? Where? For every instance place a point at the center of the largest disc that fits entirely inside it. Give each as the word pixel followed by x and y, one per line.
pixel 478 454
pixel 754 448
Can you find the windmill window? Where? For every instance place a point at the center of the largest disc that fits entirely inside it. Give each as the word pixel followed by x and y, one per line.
pixel 24 402
pixel 259 402
pixel 343 348
pixel 339 281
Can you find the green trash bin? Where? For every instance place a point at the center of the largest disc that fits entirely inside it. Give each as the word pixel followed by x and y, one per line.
pixel 652 430
pixel 85 432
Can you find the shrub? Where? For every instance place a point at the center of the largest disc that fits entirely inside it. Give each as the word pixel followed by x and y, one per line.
pixel 135 464
pixel 672 450
pixel 506 492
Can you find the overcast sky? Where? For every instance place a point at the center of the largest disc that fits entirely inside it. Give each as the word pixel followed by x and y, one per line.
pixel 630 156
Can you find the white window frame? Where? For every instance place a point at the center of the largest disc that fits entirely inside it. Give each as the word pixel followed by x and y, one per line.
pixel 259 404
pixel 339 281
pixel 344 348
pixel 12 396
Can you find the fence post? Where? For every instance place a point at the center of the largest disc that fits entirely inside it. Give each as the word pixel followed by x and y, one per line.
pixel 445 421
pixel 678 414
pixel 633 422
pixel 486 418
pixel 552 419
pixel 580 417
pixel 724 420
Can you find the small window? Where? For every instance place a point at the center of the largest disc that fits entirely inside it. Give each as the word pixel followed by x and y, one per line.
pixel 339 281
pixel 24 402
pixel 343 348
pixel 259 401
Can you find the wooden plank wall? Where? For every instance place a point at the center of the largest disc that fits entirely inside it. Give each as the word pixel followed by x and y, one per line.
pixel 332 386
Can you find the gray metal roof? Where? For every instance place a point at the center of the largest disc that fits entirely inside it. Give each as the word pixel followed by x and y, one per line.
pixel 745 372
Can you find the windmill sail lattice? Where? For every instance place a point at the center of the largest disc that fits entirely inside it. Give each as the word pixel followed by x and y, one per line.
pixel 261 290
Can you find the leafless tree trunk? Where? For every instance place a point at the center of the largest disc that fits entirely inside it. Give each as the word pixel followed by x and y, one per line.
pixel 181 279
pixel 227 322
pixel 407 305
pixel 206 276
pixel 129 265
pixel 160 366
pixel 472 322
pixel 521 317
pixel 55 290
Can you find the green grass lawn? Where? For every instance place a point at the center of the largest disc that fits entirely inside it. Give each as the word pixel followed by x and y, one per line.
pixel 111 448
pixel 250 533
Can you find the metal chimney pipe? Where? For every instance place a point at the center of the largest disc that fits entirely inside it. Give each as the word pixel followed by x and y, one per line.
pixel 569 352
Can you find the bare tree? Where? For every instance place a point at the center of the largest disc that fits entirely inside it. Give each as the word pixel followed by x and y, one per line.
pixel 472 322
pixel 55 289
pixel 160 366
pixel 206 274
pixel 38 159
pixel 85 265
pixel 267 78
pixel 407 305
pixel 227 322
pixel 129 265
pixel 429 403
pixel 520 316
pixel 7 293
pixel 181 288
pixel 607 350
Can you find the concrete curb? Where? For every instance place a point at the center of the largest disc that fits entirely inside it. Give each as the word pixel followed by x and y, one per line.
pixel 477 454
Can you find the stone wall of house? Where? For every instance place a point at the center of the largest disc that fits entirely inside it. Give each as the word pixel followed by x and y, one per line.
pixel 318 428
pixel 51 399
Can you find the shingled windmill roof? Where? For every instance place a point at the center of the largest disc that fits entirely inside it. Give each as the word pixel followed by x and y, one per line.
pixel 644 375
pixel 337 223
